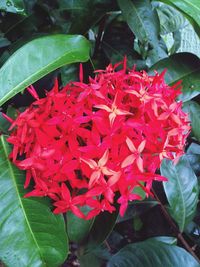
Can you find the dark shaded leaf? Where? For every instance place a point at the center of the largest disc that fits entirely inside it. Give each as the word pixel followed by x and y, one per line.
pixel 193 109
pixel 193 155
pixel 137 208
pixel 77 228
pixel 69 73
pixel 79 13
pixel 30 234
pixel 101 228
pixel 181 190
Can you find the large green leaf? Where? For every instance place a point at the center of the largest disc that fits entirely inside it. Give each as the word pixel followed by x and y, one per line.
pixel 13 6
pixel 181 66
pixel 38 58
pixel 152 253
pixel 144 23
pixel 181 190
pixel 193 109
pixel 30 234
pixel 78 228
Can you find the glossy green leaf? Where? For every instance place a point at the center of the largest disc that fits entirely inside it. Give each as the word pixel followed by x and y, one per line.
pixel 181 190
pixel 152 253
pixel 13 6
pixel 181 66
pixel 144 23
pixel 38 58
pixel 193 109
pixel 78 228
pixel 30 234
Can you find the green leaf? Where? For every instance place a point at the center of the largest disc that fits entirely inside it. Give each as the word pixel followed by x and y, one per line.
pixel 69 73
pixel 181 190
pixel 181 66
pixel 193 155
pixel 144 23
pixel 170 240
pixel 4 124
pixel 137 208
pixel 13 6
pixel 152 253
pixel 77 228
pixel 189 7
pixel 38 58
pixel 30 234
pixel 81 19
pixel 90 260
pixel 193 109
pixel 170 19
pixel 101 228
pixel 95 258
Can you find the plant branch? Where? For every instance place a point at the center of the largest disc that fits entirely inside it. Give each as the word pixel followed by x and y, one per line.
pixel 100 34
pixel 175 228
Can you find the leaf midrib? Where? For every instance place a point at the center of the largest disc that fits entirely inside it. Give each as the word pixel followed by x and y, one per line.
pixel 137 15
pixel 10 169
pixel 185 75
pixel 189 3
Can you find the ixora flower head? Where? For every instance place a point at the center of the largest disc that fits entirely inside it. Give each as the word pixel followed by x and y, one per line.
pixel 94 144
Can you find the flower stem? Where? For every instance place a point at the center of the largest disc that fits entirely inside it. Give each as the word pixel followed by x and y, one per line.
pixel 175 228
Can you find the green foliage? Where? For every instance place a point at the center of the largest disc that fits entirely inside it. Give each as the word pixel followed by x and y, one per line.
pixel 38 37
pixel 184 67
pixel 144 23
pixel 30 234
pixel 181 190
pixel 193 109
pixel 77 228
pixel 41 56
pixel 152 253
pixel 190 8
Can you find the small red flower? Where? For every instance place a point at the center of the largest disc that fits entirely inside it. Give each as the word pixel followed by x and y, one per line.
pixel 86 144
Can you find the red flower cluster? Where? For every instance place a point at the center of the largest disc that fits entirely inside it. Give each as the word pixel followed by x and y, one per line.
pixel 90 143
